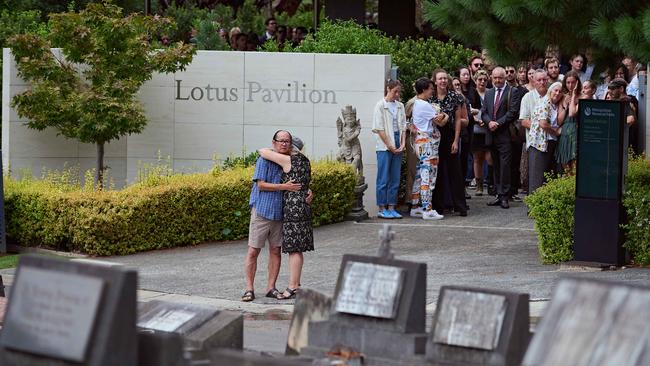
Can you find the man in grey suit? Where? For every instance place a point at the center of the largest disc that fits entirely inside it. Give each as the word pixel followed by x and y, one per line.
pixel 500 108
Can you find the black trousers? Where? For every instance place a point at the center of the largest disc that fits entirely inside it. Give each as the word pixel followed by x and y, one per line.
pixel 515 173
pixel 455 181
pixel 502 161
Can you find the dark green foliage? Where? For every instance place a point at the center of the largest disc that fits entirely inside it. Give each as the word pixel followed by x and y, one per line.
pixel 419 57
pixel 184 17
pixel 159 213
pixel 514 31
pixel 637 205
pixel 414 57
pixel 552 207
pixel 629 34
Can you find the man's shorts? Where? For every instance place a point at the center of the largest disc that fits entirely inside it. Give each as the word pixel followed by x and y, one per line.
pixel 262 229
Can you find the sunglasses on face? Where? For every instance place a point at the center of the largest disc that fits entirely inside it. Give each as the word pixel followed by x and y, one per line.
pixel 478 65
pixel 510 71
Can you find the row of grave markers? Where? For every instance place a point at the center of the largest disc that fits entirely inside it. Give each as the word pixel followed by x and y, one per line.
pixel 67 313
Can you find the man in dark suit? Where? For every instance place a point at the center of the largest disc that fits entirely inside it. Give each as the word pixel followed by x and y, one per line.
pixel 500 108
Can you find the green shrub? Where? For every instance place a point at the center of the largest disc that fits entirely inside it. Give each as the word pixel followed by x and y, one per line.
pixel 552 207
pixel 637 205
pixel 174 211
pixel 415 58
pixel 243 161
pixel 184 16
pixel 419 57
pixel 347 37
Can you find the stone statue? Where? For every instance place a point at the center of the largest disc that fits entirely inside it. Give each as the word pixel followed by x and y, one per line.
pixel 349 144
pixel 348 130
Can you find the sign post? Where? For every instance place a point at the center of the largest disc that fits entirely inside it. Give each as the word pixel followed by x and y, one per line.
pixel 601 168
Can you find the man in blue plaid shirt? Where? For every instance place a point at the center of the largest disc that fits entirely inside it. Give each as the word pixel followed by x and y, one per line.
pixel 266 217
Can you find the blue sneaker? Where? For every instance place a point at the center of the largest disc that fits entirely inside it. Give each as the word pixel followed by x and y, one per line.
pixel 395 214
pixel 385 214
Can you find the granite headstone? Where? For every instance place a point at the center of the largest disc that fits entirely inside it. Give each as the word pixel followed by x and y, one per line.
pixel 310 306
pixel 473 326
pixel 593 322
pixel 378 308
pixel 203 328
pixel 65 313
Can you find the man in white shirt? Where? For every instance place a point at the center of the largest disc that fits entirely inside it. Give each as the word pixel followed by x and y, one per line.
pixel 536 138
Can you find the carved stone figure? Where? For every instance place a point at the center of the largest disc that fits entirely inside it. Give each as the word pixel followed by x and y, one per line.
pixel 349 144
pixel 348 130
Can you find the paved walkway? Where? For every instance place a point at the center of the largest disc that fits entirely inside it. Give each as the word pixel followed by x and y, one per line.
pixel 491 248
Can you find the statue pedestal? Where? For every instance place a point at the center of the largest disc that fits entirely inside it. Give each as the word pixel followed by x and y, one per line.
pixel 358 213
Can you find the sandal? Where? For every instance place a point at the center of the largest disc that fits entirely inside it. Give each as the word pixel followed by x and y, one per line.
pixel 274 294
pixel 248 296
pixel 292 293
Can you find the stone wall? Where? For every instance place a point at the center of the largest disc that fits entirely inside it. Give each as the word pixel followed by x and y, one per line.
pixel 223 103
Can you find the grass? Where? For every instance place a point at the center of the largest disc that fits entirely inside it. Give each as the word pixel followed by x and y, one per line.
pixel 8 261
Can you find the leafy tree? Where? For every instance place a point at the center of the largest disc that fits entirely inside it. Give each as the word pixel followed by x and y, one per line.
pixel 89 94
pixel 18 21
pixel 627 34
pixel 513 30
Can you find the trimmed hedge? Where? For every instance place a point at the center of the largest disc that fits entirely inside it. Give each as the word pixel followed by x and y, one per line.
pixel 552 207
pixel 174 211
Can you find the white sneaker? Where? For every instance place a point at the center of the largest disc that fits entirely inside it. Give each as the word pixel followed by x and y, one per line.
pixel 432 215
pixel 416 212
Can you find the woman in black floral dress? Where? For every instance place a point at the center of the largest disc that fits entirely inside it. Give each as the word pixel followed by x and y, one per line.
pixel 297 232
pixel 450 182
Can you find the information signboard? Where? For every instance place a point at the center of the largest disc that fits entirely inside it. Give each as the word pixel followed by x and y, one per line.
pixel 601 149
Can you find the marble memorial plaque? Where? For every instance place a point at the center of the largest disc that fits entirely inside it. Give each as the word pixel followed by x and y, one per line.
pixel 52 313
pixel 470 319
pixel 168 320
pixel 370 289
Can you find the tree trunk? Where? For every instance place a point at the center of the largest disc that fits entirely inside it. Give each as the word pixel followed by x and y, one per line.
pixel 99 167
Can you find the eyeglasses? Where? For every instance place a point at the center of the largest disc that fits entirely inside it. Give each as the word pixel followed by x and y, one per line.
pixel 510 71
pixel 284 142
pixel 478 65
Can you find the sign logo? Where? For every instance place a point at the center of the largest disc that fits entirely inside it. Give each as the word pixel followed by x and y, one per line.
pixel 587 111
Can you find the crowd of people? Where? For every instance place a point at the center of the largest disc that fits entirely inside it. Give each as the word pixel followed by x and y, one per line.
pixel 497 129
pixel 502 128
pixel 239 40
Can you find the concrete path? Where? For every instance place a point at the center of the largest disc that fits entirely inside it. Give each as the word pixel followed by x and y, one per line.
pixel 491 248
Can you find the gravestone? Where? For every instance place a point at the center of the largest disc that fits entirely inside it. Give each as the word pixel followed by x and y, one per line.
pixel 310 306
pixel 378 308
pixel 592 322
pixel 160 349
pixel 202 328
pixel 474 326
pixel 65 313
